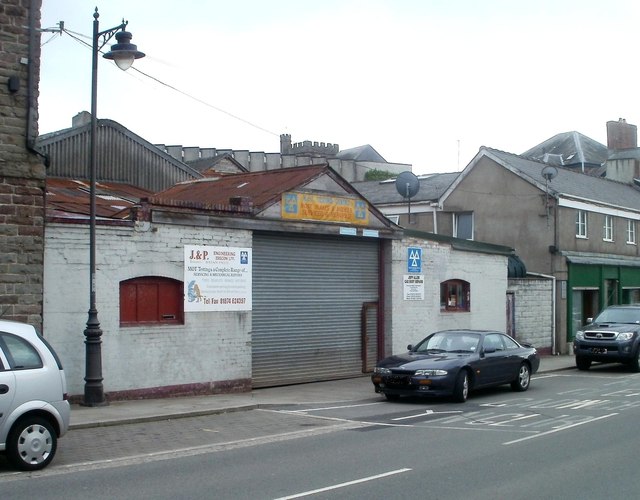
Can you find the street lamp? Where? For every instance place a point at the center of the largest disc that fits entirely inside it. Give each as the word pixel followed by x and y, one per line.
pixel 123 54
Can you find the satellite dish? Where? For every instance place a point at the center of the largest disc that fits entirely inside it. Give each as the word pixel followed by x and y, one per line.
pixel 549 172
pixel 407 184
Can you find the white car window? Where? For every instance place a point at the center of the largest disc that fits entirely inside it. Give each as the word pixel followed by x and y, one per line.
pixel 21 354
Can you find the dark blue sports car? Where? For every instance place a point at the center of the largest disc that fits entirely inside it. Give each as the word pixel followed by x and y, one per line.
pixel 454 362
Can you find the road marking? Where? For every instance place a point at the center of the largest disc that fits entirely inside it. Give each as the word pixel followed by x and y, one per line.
pixel 577 405
pixel 342 485
pixel 331 408
pixel 559 429
pixel 428 412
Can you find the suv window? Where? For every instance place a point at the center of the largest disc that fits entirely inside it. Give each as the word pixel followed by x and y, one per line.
pixel 629 315
pixel 20 354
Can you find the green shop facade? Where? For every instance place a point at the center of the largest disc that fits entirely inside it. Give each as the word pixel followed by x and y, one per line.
pixel 596 282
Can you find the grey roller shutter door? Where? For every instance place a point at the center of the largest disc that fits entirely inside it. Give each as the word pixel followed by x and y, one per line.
pixel 308 295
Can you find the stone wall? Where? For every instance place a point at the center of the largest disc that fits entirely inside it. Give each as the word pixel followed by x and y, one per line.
pixel 22 173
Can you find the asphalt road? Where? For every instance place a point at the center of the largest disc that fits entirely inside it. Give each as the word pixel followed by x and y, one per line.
pixel 572 435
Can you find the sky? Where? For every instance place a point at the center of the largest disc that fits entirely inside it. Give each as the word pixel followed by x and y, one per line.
pixel 424 82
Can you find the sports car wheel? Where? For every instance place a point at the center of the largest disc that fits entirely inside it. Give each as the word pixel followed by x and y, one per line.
pixel 583 363
pixel 521 383
pixel 461 389
pixel 31 444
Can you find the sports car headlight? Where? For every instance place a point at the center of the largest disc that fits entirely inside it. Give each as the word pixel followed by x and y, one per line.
pixel 625 336
pixel 579 335
pixel 430 373
pixel 382 371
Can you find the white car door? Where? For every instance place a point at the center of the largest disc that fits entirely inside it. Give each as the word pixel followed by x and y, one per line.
pixel 7 393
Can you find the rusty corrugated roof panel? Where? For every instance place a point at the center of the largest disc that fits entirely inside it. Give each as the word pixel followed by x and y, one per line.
pixel 70 198
pixel 261 188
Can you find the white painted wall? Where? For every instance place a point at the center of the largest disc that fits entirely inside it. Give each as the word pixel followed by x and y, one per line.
pixel 414 320
pixel 210 347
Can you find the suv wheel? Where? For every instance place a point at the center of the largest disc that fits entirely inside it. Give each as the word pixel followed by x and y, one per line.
pixel 31 444
pixel 583 363
pixel 635 362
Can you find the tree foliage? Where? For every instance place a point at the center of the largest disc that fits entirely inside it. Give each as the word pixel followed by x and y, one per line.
pixel 378 175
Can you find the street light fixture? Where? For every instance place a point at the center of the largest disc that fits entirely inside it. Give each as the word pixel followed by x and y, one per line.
pixel 123 53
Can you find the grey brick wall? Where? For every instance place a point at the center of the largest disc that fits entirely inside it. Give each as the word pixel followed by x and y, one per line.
pixel 22 173
pixel 533 311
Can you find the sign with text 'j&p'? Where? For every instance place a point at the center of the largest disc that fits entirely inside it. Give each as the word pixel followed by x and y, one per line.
pixel 217 278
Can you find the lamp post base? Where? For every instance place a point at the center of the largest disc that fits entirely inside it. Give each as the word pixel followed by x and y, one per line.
pixel 93 388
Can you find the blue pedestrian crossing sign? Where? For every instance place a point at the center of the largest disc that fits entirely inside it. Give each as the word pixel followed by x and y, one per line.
pixel 414 260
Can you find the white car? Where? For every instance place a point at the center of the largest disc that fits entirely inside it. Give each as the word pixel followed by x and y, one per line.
pixel 34 410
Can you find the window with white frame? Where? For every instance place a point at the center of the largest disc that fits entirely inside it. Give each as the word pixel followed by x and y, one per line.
pixel 581 224
pixel 463 226
pixel 607 228
pixel 631 232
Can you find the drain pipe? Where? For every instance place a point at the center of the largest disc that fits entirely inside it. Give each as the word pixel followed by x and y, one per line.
pixel 553 309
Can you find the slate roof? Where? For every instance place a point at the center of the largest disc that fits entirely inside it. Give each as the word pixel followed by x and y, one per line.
pixel 217 163
pixel 569 183
pixel 361 153
pixel 570 149
pixel 384 192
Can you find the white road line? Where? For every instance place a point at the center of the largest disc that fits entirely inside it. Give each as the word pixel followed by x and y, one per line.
pixel 559 429
pixel 331 408
pixel 428 412
pixel 342 485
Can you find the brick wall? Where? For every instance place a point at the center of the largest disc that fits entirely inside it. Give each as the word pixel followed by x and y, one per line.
pixel 413 320
pixel 22 173
pixel 533 310
pixel 210 353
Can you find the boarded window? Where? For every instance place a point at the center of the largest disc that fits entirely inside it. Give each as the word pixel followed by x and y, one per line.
pixel 151 300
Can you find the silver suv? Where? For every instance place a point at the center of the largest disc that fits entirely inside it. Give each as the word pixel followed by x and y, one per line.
pixel 612 337
pixel 34 410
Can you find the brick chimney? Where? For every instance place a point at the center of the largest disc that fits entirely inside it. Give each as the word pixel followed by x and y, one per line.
pixel 621 135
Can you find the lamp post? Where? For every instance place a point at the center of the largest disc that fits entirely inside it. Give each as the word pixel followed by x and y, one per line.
pixel 123 54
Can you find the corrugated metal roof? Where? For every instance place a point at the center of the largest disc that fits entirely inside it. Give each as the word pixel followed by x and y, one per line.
pixel 261 188
pixel 122 157
pixel 70 199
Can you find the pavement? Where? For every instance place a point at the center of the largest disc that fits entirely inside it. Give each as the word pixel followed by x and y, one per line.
pixel 147 410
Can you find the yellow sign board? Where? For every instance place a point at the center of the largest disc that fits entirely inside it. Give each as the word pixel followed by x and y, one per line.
pixel 322 207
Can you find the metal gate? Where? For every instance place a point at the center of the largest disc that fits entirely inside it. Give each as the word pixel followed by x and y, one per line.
pixel 308 296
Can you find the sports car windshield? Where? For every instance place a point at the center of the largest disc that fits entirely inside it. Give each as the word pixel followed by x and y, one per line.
pixel 449 342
